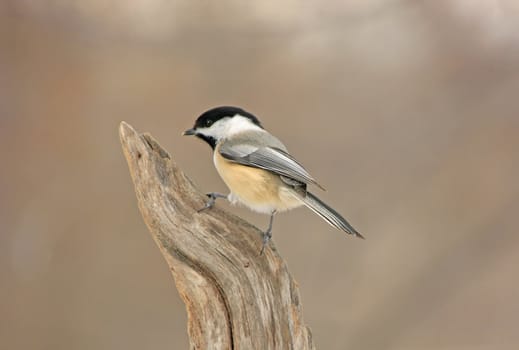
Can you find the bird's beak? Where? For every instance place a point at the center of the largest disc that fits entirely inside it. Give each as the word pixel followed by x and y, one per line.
pixel 189 132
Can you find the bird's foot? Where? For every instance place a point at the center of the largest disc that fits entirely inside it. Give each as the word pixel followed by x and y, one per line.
pixel 212 200
pixel 267 235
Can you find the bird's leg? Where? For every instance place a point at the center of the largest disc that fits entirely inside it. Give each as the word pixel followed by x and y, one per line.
pixel 267 235
pixel 212 200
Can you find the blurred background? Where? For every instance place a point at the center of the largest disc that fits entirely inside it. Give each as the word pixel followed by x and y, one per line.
pixel 407 111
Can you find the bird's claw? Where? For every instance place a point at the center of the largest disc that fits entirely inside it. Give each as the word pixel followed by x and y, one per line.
pixel 212 200
pixel 267 235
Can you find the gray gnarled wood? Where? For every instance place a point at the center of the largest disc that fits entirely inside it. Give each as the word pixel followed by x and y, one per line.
pixel 235 298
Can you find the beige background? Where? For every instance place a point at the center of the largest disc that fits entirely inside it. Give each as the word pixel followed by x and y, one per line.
pixel 407 111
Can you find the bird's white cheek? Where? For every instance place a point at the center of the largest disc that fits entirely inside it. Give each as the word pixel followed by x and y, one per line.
pixel 217 131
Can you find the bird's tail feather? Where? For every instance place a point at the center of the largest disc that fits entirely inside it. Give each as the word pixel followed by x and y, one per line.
pixel 329 214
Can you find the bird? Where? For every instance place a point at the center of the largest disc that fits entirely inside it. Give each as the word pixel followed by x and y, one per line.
pixel 258 169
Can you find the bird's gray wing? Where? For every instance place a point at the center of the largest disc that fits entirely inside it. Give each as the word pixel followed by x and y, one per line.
pixel 272 159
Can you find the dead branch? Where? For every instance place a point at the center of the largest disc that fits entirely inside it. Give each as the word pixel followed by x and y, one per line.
pixel 235 298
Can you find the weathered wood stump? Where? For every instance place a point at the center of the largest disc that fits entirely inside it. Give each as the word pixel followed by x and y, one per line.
pixel 235 298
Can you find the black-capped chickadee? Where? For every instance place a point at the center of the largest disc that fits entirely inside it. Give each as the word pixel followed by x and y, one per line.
pixel 258 169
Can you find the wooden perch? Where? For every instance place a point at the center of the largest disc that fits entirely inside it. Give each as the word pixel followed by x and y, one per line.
pixel 235 298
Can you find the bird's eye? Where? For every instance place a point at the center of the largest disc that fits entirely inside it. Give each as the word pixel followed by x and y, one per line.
pixel 208 122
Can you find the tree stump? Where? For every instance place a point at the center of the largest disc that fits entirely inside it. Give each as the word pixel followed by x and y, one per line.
pixel 235 298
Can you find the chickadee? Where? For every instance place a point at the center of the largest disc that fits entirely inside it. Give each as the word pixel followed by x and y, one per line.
pixel 258 169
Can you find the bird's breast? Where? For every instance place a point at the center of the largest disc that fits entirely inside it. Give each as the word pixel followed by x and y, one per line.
pixel 258 189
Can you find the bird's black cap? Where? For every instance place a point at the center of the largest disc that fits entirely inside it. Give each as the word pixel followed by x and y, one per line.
pixel 207 118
